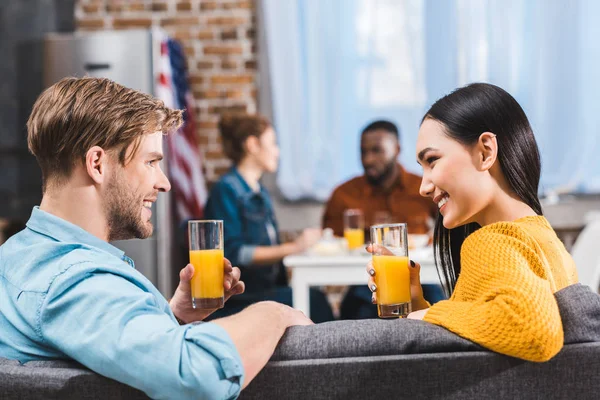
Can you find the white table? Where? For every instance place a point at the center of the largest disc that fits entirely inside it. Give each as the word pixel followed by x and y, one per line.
pixel 313 270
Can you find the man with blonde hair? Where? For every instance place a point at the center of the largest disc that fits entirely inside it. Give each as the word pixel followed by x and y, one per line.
pixel 66 293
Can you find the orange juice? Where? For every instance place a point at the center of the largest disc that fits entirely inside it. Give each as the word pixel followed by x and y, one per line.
pixel 392 278
pixel 355 238
pixel 207 282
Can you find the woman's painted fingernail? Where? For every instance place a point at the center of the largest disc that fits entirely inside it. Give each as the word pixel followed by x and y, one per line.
pixel 412 263
pixel 373 300
pixel 373 287
pixel 371 272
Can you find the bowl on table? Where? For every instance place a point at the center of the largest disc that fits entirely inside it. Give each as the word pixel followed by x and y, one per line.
pixel 417 241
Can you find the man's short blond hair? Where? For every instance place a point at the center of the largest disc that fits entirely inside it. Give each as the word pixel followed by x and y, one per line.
pixel 75 114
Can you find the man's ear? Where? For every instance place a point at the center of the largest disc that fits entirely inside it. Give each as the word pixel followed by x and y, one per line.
pixel 96 164
pixel 487 150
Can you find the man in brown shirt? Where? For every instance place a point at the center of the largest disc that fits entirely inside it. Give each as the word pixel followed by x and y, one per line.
pixel 386 193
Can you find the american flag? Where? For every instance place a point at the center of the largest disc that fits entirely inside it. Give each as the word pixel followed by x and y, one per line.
pixel 184 158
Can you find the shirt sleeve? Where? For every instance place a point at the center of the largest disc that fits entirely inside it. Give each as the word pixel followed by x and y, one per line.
pixel 112 326
pixel 222 204
pixel 502 301
pixel 334 211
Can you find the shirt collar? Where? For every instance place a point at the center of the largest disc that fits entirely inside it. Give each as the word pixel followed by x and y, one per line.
pixel 369 189
pixel 63 231
pixel 247 187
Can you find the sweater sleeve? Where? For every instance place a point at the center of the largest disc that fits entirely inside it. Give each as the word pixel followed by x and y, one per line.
pixel 502 300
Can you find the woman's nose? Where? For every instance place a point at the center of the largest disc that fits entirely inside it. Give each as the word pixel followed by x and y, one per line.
pixel 426 189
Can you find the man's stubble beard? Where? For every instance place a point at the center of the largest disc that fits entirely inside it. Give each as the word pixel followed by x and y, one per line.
pixel 387 172
pixel 123 212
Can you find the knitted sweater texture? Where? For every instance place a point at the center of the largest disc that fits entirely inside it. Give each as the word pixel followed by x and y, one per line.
pixel 504 296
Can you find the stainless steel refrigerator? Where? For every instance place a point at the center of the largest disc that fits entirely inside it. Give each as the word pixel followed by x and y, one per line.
pixel 129 58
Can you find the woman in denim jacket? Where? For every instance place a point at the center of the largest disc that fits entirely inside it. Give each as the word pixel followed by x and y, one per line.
pixel 250 228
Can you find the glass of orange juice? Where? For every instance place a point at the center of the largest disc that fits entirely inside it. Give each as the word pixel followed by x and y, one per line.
pixel 206 255
pixel 392 274
pixel 354 228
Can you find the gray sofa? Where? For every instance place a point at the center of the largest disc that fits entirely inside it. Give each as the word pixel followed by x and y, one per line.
pixel 373 359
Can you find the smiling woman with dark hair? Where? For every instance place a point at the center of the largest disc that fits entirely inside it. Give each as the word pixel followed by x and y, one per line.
pixel 499 259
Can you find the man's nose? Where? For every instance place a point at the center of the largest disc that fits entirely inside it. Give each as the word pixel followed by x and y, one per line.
pixel 163 184
pixel 368 159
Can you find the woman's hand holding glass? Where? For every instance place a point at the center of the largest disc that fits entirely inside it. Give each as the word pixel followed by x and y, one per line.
pixel 416 291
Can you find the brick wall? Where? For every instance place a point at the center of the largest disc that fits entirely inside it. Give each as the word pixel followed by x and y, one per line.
pixel 219 40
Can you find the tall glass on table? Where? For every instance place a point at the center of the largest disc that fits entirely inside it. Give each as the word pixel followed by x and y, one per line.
pixel 206 255
pixel 354 228
pixel 392 274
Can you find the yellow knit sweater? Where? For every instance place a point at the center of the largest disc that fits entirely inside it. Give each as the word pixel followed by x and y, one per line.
pixel 503 299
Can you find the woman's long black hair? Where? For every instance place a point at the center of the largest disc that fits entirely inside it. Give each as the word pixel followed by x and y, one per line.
pixel 466 113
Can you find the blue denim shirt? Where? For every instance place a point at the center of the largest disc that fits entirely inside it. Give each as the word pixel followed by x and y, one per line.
pixel 66 294
pixel 248 222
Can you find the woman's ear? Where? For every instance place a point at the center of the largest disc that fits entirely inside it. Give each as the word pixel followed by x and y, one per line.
pixel 252 144
pixel 487 149
pixel 96 161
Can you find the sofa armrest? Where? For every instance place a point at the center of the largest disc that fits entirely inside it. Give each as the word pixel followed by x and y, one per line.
pixel 59 380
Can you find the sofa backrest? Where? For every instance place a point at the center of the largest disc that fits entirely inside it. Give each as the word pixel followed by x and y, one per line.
pixel 572 374
pixel 579 308
pixel 372 358
pixel 59 380
pixel 414 359
pixel 474 375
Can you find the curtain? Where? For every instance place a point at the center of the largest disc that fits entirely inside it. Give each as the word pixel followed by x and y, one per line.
pixel 336 65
